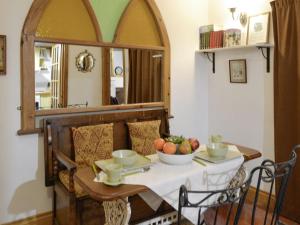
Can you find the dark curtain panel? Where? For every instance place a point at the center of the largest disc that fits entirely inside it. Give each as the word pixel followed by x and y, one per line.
pixel 145 76
pixel 286 19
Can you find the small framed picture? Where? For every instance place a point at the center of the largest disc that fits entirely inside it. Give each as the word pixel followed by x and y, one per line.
pixel 2 54
pixel 238 71
pixel 258 29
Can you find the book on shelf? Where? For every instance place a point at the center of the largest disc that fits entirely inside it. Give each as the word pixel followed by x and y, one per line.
pixel 209 36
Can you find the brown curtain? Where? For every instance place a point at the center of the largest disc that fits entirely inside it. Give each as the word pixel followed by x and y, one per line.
pixel 286 22
pixel 145 76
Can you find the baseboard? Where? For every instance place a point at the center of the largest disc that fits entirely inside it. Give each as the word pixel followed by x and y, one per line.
pixel 40 219
pixel 262 198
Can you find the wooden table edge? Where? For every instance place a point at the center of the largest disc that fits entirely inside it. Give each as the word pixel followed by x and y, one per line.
pixel 248 153
pixel 102 196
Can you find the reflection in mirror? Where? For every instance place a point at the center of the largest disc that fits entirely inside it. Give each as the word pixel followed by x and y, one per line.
pixel 85 62
pixel 59 83
pixel 136 76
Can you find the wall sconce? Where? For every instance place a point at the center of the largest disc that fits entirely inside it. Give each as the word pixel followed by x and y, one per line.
pixel 242 16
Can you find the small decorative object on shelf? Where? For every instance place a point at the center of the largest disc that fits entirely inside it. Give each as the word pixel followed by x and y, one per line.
pixel 2 54
pixel 258 29
pixel 232 37
pixel 238 71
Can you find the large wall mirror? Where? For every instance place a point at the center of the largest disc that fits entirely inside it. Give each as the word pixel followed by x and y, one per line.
pixel 77 63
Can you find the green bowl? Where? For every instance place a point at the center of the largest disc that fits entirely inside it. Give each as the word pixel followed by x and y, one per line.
pixel 125 157
pixel 217 150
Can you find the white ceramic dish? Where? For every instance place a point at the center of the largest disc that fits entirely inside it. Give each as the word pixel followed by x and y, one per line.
pixel 217 150
pixel 109 183
pixel 125 157
pixel 175 159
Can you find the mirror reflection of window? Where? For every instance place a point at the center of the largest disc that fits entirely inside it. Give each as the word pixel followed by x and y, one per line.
pixel 59 84
pixel 119 76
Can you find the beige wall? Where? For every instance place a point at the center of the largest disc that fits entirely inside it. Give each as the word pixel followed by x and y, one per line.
pixel 242 113
pixel 22 190
pixel 202 103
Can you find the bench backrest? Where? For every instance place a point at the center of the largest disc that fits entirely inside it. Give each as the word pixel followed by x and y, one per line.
pixel 58 134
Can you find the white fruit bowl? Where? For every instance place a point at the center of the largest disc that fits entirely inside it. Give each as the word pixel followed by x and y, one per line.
pixel 175 159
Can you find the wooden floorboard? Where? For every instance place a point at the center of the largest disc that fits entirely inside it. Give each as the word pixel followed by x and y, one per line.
pixel 245 218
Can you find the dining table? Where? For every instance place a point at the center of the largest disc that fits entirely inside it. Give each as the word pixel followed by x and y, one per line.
pixel 162 181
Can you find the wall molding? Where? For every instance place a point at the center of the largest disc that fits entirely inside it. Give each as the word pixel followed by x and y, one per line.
pixel 40 219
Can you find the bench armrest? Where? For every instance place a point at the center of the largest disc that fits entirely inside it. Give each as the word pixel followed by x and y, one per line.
pixel 66 161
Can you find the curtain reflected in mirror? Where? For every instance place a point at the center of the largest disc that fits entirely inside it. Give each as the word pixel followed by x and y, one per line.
pixel 136 76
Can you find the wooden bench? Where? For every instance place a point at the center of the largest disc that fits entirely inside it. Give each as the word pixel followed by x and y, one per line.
pixel 59 153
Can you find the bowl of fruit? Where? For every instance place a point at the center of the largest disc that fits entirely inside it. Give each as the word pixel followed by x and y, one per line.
pixel 176 150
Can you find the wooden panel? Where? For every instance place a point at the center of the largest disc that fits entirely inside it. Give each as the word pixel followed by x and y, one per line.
pixel 138 26
pixel 60 138
pixel 68 19
pixel 108 14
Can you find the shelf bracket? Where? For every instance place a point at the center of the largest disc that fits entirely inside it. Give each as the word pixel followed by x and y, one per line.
pixel 265 55
pixel 212 58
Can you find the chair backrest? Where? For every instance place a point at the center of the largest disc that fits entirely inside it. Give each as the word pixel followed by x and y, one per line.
pixel 281 173
pixel 58 134
pixel 213 201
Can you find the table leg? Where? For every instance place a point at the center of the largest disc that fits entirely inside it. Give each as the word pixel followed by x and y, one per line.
pixel 117 212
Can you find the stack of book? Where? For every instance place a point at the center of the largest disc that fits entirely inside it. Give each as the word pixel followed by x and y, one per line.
pixel 213 37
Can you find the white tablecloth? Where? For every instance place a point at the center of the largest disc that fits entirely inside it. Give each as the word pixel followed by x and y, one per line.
pixel 165 180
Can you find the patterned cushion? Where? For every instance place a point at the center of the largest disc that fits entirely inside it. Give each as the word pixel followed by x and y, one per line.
pixel 143 134
pixel 64 178
pixel 92 143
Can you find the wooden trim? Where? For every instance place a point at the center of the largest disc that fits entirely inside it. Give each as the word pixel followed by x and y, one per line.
pixel 64 76
pixel 33 17
pixel 27 83
pixel 106 76
pixel 262 198
pixel 167 54
pixel 3 72
pixel 40 219
pixel 30 131
pixel 35 13
pixel 94 19
pixel 99 44
pixel 98 109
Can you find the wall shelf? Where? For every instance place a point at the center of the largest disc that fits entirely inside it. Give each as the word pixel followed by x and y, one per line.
pixel 211 52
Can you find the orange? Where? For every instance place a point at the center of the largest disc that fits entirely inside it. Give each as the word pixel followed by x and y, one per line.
pixel 169 148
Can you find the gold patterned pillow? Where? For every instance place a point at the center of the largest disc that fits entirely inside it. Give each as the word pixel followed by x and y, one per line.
pixel 92 143
pixel 143 134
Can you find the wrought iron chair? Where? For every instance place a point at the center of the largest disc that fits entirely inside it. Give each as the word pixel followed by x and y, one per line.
pixel 281 174
pixel 234 198
pixel 216 199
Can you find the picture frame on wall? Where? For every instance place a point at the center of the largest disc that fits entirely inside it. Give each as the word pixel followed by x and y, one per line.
pixel 258 29
pixel 2 54
pixel 238 71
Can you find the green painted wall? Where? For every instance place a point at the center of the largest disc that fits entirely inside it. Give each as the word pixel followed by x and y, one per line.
pixel 108 13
